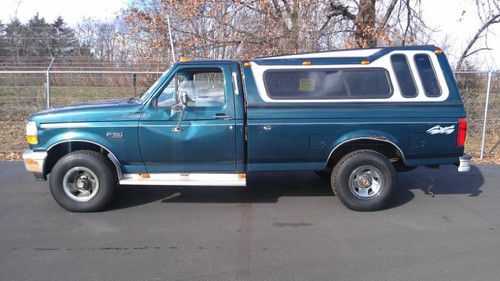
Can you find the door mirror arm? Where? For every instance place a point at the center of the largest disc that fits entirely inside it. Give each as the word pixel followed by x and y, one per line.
pixel 180 107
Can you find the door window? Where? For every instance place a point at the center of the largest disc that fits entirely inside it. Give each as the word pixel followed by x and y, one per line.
pixel 204 87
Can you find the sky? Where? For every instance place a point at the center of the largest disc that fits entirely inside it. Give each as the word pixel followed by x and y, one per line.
pixel 444 16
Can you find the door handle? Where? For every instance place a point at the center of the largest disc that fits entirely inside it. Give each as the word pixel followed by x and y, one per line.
pixel 222 116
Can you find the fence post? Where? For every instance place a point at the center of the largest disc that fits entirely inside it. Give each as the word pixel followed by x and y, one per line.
pixel 47 84
pixel 485 114
pixel 134 83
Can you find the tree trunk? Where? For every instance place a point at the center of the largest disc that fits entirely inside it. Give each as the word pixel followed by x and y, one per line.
pixel 365 24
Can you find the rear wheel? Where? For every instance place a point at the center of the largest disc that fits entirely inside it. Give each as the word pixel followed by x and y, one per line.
pixel 83 181
pixel 364 180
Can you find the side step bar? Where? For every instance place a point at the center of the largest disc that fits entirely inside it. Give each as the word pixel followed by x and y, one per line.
pixel 185 179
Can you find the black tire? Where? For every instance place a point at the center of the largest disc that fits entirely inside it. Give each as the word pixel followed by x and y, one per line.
pixel 344 172
pixel 324 174
pixel 98 164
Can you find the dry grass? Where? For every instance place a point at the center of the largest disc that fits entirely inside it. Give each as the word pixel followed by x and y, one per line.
pixel 17 103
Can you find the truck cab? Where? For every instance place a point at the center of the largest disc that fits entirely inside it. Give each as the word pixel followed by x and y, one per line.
pixel 355 117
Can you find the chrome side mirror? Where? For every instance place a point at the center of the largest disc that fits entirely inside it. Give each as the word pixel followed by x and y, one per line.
pixel 180 107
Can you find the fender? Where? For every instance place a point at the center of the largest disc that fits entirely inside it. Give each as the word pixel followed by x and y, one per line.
pixel 368 135
pixel 75 136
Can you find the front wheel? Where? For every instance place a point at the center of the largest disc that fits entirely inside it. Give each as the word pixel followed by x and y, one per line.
pixel 83 181
pixel 364 180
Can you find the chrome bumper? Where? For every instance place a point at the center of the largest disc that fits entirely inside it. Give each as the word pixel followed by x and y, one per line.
pixel 464 165
pixel 34 161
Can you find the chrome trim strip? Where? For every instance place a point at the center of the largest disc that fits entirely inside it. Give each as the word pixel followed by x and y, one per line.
pixel 235 84
pixel 184 179
pixel 366 138
pixel 78 125
pixel 347 123
pixel 188 125
pixel 87 125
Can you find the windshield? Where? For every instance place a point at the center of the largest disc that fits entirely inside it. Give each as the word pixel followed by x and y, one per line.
pixel 146 94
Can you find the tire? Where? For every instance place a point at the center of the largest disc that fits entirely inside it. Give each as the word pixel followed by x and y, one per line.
pixel 364 180
pixel 324 174
pixel 93 171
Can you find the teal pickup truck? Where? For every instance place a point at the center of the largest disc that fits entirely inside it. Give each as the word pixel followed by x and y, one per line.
pixel 356 117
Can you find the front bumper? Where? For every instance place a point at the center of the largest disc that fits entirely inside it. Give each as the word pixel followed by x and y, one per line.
pixel 34 161
pixel 464 165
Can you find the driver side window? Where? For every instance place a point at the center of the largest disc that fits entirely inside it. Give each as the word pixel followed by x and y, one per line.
pixel 204 88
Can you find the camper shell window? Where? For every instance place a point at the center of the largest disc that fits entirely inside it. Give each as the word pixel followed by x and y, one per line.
pixel 404 76
pixel 325 84
pixel 427 75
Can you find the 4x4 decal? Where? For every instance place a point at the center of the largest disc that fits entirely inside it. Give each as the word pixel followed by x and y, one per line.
pixel 441 130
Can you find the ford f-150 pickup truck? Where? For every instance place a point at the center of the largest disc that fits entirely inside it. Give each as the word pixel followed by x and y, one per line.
pixel 356 117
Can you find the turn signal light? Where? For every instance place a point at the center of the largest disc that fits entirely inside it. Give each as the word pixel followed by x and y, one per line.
pixel 438 51
pixel 307 62
pixel 365 62
pixel 185 59
pixel 462 131
pixel 32 139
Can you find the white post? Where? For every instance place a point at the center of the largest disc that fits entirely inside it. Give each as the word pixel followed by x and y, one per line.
pixel 485 114
pixel 47 84
pixel 171 39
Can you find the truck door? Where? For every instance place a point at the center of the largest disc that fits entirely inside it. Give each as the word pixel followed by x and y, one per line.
pixel 206 139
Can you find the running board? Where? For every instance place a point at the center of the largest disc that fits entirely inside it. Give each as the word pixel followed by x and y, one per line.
pixel 185 179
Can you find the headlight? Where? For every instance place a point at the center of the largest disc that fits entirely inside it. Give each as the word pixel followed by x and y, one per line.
pixel 31 132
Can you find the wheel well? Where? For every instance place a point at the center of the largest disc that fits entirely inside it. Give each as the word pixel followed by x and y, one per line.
pixel 59 150
pixel 388 149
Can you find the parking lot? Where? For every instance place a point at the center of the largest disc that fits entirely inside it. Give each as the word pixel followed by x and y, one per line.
pixel 285 226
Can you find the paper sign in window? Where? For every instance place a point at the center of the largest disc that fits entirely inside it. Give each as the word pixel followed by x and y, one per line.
pixel 307 85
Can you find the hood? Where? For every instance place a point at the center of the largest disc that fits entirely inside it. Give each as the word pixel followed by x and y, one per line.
pixel 116 110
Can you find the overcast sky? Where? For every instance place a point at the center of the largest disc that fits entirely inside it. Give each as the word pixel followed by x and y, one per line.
pixel 445 16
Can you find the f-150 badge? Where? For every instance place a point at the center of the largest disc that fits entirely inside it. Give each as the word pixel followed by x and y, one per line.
pixel 114 135
pixel 441 130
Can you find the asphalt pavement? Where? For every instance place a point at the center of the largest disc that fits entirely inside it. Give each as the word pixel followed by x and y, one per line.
pixel 284 226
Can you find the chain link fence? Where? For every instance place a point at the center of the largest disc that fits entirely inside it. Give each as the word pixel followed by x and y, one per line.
pixel 25 92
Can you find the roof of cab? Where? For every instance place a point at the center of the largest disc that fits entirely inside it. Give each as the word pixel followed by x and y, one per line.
pixel 205 61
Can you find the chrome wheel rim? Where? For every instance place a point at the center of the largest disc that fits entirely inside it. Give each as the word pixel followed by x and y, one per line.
pixel 80 184
pixel 366 181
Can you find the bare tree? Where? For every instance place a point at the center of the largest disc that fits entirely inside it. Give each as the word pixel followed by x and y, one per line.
pixel 245 28
pixel 489 14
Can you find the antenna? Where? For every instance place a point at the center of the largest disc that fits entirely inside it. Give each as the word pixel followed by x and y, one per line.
pixel 171 39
